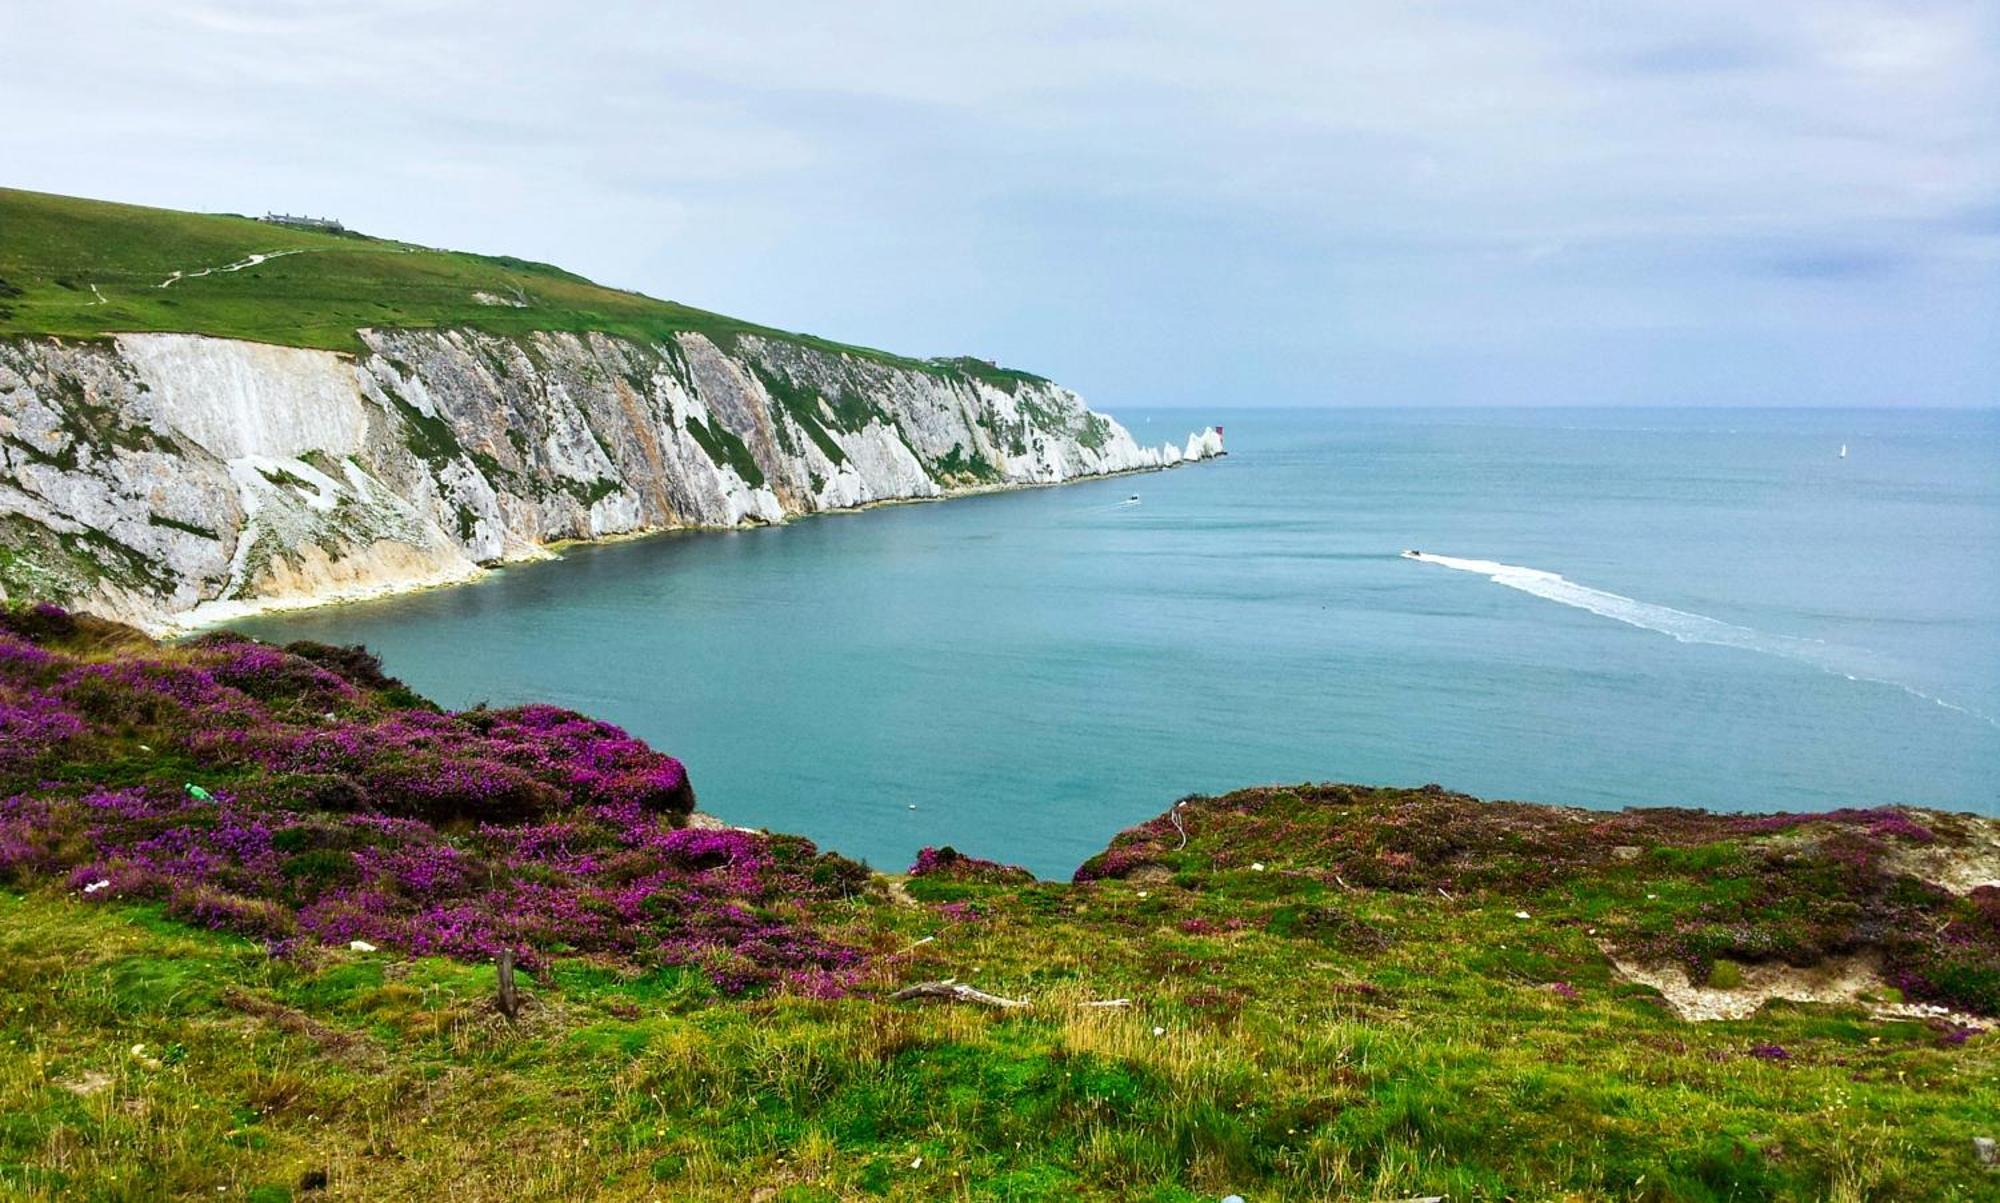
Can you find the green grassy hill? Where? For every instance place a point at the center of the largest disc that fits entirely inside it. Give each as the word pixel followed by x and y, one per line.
pixel 1328 992
pixel 86 268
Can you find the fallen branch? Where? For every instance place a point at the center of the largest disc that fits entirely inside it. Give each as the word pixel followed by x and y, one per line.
pixel 952 990
pixel 1110 1002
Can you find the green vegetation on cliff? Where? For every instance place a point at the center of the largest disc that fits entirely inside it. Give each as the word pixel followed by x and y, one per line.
pixel 85 268
pixel 1327 991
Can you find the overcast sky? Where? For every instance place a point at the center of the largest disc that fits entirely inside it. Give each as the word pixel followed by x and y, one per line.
pixel 1393 202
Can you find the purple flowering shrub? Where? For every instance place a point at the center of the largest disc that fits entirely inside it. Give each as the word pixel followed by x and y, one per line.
pixel 341 807
pixel 949 863
pixel 38 623
pixel 1965 966
pixel 358 665
pixel 33 725
pixel 271 675
pixel 1882 822
pixel 1682 886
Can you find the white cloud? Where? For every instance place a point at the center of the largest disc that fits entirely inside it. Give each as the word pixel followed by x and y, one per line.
pixel 1074 187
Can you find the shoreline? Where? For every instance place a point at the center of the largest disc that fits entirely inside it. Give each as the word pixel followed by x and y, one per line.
pixel 211 615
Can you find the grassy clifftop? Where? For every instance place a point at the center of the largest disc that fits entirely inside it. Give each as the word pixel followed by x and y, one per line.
pixel 85 268
pixel 1297 993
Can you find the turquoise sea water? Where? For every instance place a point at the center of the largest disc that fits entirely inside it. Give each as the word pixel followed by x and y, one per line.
pixel 1746 621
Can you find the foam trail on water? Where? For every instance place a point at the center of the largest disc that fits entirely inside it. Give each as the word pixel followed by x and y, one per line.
pixel 1683 626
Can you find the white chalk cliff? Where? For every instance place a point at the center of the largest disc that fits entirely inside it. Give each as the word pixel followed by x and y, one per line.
pixel 171 479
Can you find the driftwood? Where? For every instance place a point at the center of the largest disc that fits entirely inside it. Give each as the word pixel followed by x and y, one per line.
pixel 509 998
pixel 952 990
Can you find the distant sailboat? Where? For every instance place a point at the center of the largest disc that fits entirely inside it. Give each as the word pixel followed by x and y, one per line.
pixel 1843 451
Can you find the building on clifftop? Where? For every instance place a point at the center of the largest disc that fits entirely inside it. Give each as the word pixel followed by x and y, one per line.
pixel 327 224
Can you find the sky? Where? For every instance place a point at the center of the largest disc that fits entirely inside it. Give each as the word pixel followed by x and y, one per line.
pixel 1376 202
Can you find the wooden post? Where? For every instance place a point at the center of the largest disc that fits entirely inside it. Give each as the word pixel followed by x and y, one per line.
pixel 509 1000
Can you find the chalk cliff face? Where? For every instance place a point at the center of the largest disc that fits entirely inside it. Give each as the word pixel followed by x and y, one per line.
pixel 168 479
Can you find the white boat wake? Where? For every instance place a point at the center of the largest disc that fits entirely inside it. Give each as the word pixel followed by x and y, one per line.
pixel 1683 626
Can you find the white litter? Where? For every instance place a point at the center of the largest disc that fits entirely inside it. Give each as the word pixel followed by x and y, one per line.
pixel 361 946
pixel 103 883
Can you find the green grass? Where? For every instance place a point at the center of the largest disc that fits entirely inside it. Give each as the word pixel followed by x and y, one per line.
pixel 725 447
pixel 1285 1041
pixel 955 465
pixel 60 255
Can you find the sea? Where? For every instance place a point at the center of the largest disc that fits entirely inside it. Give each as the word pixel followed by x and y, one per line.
pixel 1674 607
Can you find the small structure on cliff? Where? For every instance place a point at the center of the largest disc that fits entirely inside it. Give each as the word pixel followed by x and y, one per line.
pixel 327 225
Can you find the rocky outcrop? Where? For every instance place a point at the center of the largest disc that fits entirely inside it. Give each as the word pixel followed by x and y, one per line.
pixel 172 479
